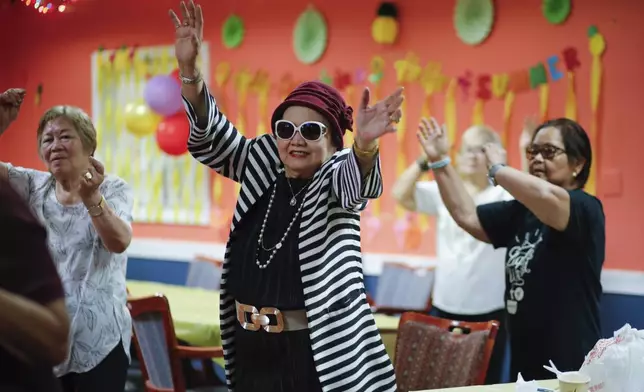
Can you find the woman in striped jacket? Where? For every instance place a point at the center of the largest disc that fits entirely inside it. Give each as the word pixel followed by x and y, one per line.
pixel 294 315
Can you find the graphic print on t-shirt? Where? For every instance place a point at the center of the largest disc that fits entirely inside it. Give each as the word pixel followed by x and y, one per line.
pixel 519 256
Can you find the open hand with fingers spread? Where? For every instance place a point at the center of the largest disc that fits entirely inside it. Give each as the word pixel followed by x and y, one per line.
pixel 374 121
pixel 433 139
pixel 188 36
pixel 529 126
pixel 10 102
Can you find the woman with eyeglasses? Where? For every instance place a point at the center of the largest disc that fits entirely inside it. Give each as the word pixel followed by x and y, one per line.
pixel 294 314
pixel 555 235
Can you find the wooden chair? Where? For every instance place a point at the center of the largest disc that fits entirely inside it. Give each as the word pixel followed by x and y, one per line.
pixel 435 353
pixel 403 288
pixel 205 272
pixel 156 345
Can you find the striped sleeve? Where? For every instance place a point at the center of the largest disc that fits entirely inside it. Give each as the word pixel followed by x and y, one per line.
pixel 350 188
pixel 219 145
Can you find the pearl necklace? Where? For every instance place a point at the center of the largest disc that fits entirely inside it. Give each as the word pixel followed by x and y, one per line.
pixel 278 246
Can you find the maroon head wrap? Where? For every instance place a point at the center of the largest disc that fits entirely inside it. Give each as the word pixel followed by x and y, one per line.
pixel 325 100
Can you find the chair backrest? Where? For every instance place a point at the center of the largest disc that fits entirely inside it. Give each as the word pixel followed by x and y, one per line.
pixel 155 341
pixel 404 287
pixel 205 272
pixel 434 353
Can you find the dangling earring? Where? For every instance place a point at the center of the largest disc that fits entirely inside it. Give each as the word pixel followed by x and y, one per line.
pixel 574 174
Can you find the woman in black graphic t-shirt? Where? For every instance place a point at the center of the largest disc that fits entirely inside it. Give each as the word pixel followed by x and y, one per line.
pixel 555 235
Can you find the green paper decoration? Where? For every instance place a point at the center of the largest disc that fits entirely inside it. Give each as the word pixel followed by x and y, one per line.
pixel 375 78
pixel 538 75
pixel 310 36
pixel 232 32
pixel 326 78
pixel 592 30
pixel 556 11
pixel 473 20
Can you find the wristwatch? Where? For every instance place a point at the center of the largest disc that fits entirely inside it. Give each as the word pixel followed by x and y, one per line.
pixel 492 172
pixel 97 210
pixel 423 164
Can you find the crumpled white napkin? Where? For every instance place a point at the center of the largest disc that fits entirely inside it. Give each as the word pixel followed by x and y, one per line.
pixel 529 386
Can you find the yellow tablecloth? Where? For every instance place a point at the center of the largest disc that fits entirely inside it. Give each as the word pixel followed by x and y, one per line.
pixel 552 384
pixel 195 313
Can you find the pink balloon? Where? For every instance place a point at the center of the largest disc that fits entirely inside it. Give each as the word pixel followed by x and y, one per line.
pixel 162 93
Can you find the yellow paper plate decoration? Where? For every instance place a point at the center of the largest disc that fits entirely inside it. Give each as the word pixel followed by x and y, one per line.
pixel 597 46
pixel 384 29
pixel 140 120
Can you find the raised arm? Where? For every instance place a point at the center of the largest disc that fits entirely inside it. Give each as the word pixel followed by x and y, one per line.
pixel 10 102
pixel 457 200
pixel 415 195
pixel 358 177
pixel 214 141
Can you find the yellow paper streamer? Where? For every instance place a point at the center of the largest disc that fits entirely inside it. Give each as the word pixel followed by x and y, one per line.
pixel 408 70
pixel 544 95
pixel 571 97
pixel 261 87
pixel 242 80
pixel 187 191
pixel 176 185
pixel 222 76
pixel 450 114
pixel 377 66
pixel 597 46
pixel 508 106
pixel 199 184
pixel 423 219
pixel 477 113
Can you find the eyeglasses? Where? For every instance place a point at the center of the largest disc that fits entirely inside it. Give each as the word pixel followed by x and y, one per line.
pixel 547 151
pixel 310 130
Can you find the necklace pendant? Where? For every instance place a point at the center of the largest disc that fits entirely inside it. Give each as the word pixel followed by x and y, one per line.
pixel 293 201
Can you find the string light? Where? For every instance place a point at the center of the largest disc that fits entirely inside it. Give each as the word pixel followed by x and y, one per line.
pixel 48 6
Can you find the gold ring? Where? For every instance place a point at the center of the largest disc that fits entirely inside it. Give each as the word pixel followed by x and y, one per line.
pixel 394 119
pixel 88 176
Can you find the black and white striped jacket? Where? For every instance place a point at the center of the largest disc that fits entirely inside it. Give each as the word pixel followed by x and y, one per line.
pixel 347 349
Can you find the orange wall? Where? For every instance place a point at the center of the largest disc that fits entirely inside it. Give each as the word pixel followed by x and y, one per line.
pixel 55 50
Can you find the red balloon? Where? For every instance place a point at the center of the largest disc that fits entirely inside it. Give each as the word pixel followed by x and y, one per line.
pixel 175 75
pixel 173 134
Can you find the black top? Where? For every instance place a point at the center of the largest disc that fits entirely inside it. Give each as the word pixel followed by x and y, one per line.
pixel 271 362
pixel 553 286
pixel 27 271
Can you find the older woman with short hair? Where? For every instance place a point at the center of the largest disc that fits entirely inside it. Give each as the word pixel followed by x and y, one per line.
pixel 294 313
pixel 87 214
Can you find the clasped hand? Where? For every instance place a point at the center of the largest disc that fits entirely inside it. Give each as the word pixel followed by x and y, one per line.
pixel 10 102
pixel 90 182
